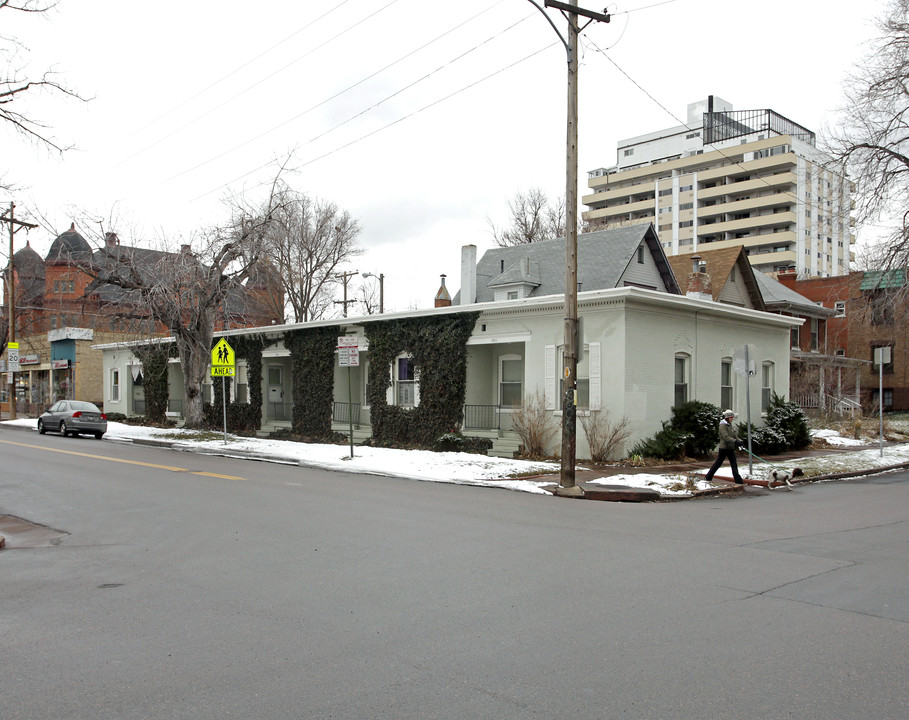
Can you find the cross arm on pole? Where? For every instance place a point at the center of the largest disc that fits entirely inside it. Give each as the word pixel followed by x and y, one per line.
pixel 575 10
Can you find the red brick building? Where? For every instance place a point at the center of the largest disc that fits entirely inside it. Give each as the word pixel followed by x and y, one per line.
pixel 871 310
pixel 61 311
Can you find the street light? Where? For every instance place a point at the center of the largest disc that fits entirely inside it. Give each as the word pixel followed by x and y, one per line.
pixel 381 279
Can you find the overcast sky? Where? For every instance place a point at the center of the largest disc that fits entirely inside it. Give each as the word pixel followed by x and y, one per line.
pixel 421 118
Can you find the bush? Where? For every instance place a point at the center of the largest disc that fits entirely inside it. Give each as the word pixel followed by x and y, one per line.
pixel 764 440
pixel 789 420
pixel 699 421
pixel 603 436
pixel 534 424
pixel 667 444
pixel 456 442
pixel 692 432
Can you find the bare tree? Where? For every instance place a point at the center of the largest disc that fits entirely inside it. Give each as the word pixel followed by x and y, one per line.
pixel 15 85
pixel 872 137
pixel 368 297
pixel 186 290
pixel 534 217
pixel 307 241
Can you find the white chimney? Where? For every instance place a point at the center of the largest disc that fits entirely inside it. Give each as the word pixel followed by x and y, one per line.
pixel 468 274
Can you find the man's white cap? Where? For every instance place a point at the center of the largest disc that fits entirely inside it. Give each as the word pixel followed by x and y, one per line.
pixel 728 413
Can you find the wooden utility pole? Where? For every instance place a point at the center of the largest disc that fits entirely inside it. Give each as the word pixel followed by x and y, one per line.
pixel 570 350
pixel 14 226
pixel 344 278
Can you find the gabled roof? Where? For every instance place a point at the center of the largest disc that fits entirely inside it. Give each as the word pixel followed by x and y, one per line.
pixel 523 271
pixel 603 258
pixel 719 267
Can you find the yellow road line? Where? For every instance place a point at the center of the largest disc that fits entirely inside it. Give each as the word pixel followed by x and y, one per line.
pixel 119 460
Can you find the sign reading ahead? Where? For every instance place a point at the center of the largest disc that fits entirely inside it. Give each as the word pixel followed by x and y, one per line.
pixel 223 359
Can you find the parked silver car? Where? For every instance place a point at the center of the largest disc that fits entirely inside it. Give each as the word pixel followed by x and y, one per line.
pixel 73 417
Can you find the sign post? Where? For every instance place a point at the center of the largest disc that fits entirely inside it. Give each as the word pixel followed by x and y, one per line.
pixel 881 357
pixel 349 356
pixel 743 364
pixel 223 365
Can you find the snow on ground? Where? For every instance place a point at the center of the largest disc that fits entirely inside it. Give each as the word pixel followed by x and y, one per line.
pixel 832 437
pixel 467 469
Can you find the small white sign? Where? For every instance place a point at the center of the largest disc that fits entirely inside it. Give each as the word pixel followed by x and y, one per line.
pixel 12 356
pixel 349 357
pixel 348 341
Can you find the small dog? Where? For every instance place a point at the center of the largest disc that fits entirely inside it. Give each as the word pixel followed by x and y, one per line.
pixel 783 476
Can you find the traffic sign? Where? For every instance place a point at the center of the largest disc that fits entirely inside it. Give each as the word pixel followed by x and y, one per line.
pixel 222 355
pixel 12 357
pixel 349 356
pixel 348 341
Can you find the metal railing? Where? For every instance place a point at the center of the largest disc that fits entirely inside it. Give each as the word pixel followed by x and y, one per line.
pixel 175 405
pixel 139 406
pixel 280 411
pixel 481 417
pixel 343 412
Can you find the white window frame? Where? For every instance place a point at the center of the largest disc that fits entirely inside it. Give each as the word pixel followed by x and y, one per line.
pixel 115 385
pixel 398 384
pixel 767 384
pixel 727 394
pixel 552 379
pixel 839 308
pixel 502 382
pixel 685 382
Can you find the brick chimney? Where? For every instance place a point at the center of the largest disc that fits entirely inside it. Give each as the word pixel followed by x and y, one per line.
pixel 699 285
pixel 443 299
pixel 111 240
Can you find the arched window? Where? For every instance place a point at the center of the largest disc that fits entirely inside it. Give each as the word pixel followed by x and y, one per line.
pixel 682 369
pixel 766 385
pixel 726 399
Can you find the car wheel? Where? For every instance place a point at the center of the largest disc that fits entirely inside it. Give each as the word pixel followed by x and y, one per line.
pixel 99 435
pixel 41 428
pixel 63 430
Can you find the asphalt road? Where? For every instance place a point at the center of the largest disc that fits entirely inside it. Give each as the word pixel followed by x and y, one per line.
pixel 186 586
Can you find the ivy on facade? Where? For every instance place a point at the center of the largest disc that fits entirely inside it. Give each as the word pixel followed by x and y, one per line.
pixel 437 345
pixel 312 358
pixel 243 418
pixel 154 358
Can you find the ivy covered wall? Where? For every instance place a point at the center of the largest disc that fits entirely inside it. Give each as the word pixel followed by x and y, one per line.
pixel 312 359
pixel 438 347
pixel 242 418
pixel 154 358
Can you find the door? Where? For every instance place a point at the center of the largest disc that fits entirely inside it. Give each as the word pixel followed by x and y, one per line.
pixel 275 393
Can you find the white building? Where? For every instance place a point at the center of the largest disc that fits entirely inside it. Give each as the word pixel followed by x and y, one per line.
pixel 726 177
pixel 646 347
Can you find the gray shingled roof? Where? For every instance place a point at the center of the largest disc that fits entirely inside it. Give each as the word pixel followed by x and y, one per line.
pixel 778 297
pixel 603 257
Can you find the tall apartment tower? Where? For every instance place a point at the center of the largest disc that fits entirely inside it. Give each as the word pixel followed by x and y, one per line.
pixel 732 177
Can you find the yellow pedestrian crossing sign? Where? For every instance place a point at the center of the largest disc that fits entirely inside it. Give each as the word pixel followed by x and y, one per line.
pixel 223 359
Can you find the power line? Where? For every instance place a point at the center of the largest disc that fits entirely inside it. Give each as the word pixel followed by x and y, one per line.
pixel 378 130
pixel 351 87
pixel 237 69
pixel 257 83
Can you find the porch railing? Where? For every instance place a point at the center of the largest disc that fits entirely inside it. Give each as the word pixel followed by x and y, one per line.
pixel 139 407
pixel 280 411
pixel 342 412
pixel 175 405
pixel 481 417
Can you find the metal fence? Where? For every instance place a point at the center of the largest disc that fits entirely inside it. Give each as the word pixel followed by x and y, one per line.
pixel 342 412
pixel 481 417
pixel 280 411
